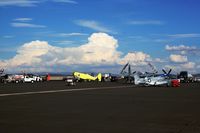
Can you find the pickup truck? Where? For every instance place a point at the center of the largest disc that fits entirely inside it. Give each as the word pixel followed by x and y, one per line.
pixel 36 78
pixel 28 79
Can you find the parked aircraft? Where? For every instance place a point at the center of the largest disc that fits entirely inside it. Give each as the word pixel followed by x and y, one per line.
pixel 87 77
pixel 151 80
pixel 146 79
pixel 129 76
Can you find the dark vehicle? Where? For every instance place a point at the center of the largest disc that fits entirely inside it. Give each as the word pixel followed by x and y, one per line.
pixel 184 76
pixel 8 78
pixel 108 77
pixel 70 80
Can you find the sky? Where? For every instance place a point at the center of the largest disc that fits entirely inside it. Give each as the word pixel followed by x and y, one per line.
pixel 99 36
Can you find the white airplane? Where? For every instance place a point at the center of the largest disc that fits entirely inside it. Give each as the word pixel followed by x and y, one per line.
pixel 146 79
pixel 156 80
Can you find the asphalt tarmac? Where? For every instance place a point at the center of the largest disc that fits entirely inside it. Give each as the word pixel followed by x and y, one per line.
pixel 53 107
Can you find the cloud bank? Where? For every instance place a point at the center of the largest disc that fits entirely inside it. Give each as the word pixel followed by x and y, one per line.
pixel 179 60
pixel 101 50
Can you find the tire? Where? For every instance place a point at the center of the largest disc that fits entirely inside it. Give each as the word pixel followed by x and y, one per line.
pixel 146 84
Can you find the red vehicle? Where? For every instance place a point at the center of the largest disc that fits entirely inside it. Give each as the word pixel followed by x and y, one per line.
pixel 175 83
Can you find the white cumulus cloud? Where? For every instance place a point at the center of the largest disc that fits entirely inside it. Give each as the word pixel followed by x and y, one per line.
pixel 178 58
pixel 29 54
pixel 101 49
pixel 188 65
pixel 135 58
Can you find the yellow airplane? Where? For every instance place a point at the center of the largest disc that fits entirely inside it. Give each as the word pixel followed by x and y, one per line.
pixel 86 76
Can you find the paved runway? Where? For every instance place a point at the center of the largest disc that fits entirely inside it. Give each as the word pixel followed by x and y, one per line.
pixel 98 108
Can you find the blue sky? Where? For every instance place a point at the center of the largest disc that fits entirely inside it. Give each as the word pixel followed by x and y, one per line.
pixel 165 33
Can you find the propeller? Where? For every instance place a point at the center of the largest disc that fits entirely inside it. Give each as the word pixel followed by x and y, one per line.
pixel 124 68
pixel 153 68
pixel 129 74
pixel 169 71
pixel 129 69
pixel 166 72
pixel 1 71
pixel 134 72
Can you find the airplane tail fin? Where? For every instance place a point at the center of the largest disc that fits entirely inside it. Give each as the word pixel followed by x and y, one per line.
pixel 99 77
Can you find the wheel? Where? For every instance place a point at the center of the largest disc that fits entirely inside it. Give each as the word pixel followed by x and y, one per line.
pixel 146 84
